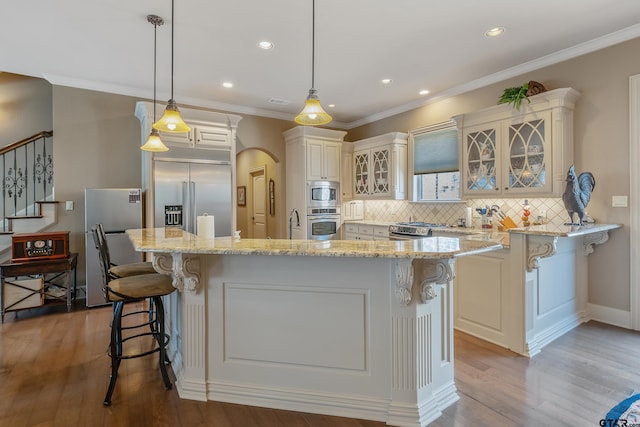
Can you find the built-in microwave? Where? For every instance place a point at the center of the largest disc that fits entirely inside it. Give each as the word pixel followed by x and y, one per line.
pixel 323 194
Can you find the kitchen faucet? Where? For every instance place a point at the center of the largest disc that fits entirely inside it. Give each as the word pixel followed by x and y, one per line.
pixel 294 210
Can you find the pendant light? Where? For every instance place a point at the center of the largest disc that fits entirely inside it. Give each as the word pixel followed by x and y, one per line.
pixel 154 143
pixel 313 114
pixel 172 121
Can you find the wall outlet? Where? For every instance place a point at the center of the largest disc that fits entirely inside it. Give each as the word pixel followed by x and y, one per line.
pixel 619 201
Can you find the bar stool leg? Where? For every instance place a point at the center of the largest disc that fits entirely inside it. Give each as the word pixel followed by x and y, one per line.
pixel 115 348
pixel 161 337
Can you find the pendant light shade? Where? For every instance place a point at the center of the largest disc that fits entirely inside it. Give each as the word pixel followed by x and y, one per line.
pixel 313 114
pixel 172 121
pixel 154 143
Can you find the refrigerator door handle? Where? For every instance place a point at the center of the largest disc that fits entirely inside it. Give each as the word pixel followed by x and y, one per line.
pixel 185 206
pixel 192 206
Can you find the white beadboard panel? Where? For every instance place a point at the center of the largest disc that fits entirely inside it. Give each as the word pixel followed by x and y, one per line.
pixel 296 330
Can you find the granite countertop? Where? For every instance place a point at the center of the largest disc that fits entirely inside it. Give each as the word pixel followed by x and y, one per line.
pixel 564 230
pixel 176 240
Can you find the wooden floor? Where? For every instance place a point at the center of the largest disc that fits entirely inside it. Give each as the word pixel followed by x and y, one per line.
pixel 54 372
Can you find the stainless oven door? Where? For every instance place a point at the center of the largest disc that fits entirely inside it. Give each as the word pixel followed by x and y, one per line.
pixel 323 227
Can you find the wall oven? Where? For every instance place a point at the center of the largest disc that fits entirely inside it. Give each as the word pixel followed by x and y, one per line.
pixel 323 194
pixel 323 223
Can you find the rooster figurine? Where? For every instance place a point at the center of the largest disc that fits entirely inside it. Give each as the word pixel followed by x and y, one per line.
pixel 577 194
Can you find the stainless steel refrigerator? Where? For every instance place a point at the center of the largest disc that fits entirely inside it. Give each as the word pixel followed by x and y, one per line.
pixel 117 209
pixel 186 189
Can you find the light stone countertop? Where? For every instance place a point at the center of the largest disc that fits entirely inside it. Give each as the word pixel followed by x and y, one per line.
pixel 564 230
pixel 175 240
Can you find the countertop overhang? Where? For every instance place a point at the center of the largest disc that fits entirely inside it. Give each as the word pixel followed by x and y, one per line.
pixel 169 240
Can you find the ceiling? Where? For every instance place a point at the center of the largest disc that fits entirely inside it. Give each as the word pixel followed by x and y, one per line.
pixel 419 44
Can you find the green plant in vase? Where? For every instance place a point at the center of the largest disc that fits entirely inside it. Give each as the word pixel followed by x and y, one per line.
pixel 515 95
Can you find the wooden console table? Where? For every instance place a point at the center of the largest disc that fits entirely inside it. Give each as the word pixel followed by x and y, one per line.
pixel 50 270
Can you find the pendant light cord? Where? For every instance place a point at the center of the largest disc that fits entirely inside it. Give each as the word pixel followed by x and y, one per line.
pixel 172 21
pixel 313 43
pixel 155 53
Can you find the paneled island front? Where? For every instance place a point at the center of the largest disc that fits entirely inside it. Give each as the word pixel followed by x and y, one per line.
pixel 360 329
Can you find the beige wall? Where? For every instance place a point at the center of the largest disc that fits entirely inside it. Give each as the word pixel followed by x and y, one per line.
pixel 25 107
pixel 601 146
pixel 97 140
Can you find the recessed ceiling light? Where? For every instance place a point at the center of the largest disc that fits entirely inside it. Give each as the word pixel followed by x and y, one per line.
pixel 331 105
pixel 265 44
pixel 386 81
pixel 494 32
pixel 227 85
pixel 424 92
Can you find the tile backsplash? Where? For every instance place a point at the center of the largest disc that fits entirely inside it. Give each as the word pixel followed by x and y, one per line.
pixel 552 210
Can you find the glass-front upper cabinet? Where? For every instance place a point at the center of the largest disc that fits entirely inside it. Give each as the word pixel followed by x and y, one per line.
pixel 361 172
pixel 518 153
pixel 528 154
pixel 380 160
pixel 481 153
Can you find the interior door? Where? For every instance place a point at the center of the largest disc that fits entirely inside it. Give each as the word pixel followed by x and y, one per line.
pixel 259 206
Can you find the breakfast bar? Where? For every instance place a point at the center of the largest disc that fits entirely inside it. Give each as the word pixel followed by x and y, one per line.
pixel 360 329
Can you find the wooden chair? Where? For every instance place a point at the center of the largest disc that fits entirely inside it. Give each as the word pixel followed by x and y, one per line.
pixel 119 291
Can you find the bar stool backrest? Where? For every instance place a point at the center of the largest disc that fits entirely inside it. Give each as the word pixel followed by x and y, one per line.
pixel 101 246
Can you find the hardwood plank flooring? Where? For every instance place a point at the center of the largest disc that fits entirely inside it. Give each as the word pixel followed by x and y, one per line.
pixel 54 372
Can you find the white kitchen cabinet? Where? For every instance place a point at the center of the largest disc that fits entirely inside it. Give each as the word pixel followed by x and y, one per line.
pixel 359 231
pixel 511 153
pixel 353 210
pixel 200 136
pixel 312 154
pixel 346 178
pixel 380 167
pixel 323 160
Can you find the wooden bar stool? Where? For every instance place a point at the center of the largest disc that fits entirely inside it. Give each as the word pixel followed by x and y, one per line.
pixel 119 291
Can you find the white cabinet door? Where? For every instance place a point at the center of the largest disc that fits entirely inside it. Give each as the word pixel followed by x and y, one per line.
pixel 323 160
pixel 481 158
pixel 185 138
pixel 346 180
pixel 212 137
pixel 315 161
pixel 331 158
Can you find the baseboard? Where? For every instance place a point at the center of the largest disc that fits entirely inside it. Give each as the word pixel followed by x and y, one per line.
pixel 610 316
pixel 349 406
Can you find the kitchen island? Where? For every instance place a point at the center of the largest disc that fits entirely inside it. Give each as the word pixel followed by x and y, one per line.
pixel 531 292
pixel 359 329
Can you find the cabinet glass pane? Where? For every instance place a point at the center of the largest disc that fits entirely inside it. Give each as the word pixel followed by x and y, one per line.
pixel 481 160
pixel 380 171
pixel 361 168
pixel 527 156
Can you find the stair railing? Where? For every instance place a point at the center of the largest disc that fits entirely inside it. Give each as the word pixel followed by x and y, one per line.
pixel 26 168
